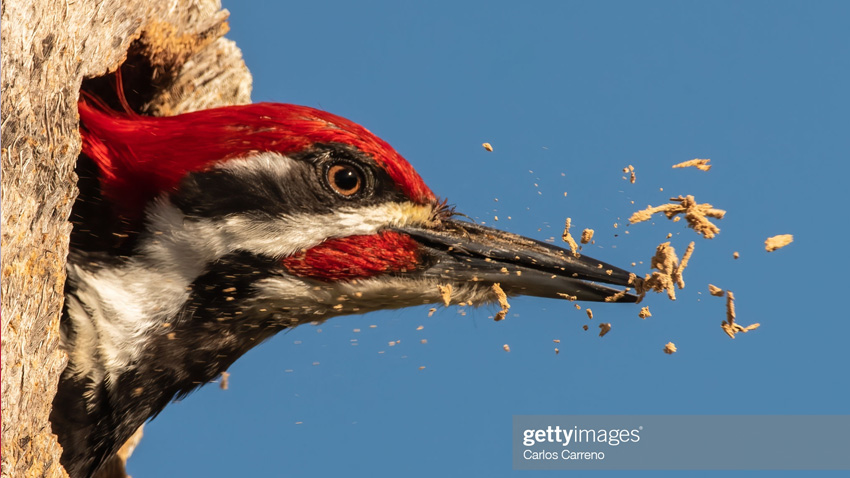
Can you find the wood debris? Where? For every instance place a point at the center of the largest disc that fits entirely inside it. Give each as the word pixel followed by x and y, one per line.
pixel 225 380
pixel 777 242
pixel 557 351
pixel 617 296
pixel 487 146
pixel 715 291
pixel 506 347
pixel 695 214
pixel 584 327
pixel 669 273
pixel 680 279
pixel 589 313
pixel 631 170
pixel 670 348
pixel 701 164
pixel 568 296
pixel 644 312
pixel 735 255
pixel 503 302
pixel 568 238
pixel 604 328
pixel 446 293
pixel 586 236
pixel 729 326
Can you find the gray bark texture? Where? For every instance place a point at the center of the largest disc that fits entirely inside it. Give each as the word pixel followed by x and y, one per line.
pixel 48 48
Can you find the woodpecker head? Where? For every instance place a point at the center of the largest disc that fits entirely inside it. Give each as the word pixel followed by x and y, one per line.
pixel 234 223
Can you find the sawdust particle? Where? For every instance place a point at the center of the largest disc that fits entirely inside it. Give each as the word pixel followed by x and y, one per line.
pixel 777 242
pixel 446 293
pixel 701 164
pixel 696 214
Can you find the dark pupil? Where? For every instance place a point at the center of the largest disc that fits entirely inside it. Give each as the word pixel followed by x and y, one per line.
pixel 346 179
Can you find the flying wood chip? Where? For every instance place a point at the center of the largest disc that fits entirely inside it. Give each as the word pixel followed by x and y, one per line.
pixel 777 242
pixel 668 274
pixel 487 146
pixel 617 296
pixel 715 291
pixel 586 236
pixel 644 312
pixel 446 293
pixel 729 326
pixel 670 348
pixel 604 328
pixel 568 238
pixel 503 302
pixel 631 170
pixel 695 214
pixel 701 164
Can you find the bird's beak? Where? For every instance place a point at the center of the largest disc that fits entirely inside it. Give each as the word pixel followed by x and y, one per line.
pixel 466 252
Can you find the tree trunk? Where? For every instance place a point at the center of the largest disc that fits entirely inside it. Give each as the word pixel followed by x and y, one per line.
pixel 48 48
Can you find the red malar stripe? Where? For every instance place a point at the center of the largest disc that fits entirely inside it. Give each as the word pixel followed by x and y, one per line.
pixel 356 257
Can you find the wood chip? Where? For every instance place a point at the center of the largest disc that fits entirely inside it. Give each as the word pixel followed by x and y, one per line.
pixel 630 170
pixel 680 280
pixel 644 312
pixel 735 255
pixel 568 238
pixel 586 236
pixel 446 293
pixel 701 164
pixel 715 291
pixel 729 326
pixel 777 242
pixel 617 296
pixel 487 146
pixel 557 341
pixel 589 313
pixel 503 302
pixel 225 380
pixel 663 279
pixel 584 327
pixel 604 328
pixel 432 309
pixel 506 347
pixel 557 351
pixel 670 348
pixel 695 214
pixel 568 296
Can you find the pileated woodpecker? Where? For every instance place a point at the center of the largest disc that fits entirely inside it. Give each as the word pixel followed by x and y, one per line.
pixel 198 236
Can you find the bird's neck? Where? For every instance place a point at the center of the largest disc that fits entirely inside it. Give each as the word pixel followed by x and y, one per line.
pixel 141 331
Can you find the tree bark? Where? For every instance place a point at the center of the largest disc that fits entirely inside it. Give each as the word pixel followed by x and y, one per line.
pixel 48 48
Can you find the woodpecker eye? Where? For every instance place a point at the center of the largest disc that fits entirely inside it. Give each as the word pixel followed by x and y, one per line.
pixel 345 179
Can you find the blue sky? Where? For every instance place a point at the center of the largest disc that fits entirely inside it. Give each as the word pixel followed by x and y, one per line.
pixel 568 93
